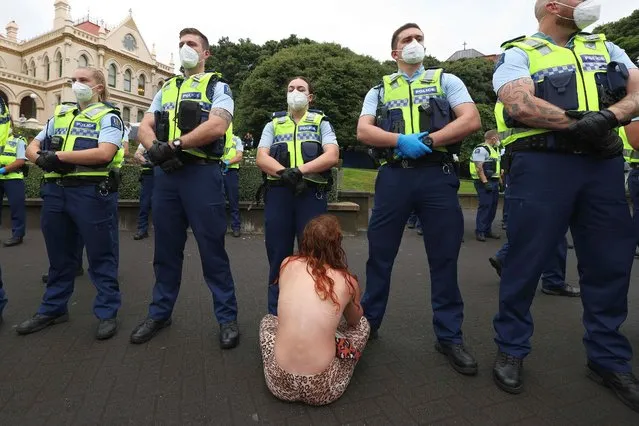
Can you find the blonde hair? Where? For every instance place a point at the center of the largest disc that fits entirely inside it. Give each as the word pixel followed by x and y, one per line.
pixel 99 78
pixel 540 9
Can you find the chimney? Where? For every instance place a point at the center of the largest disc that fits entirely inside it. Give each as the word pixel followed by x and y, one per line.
pixel 62 14
pixel 12 31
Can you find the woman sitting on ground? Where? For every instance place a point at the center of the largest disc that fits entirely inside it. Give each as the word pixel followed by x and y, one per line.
pixel 309 350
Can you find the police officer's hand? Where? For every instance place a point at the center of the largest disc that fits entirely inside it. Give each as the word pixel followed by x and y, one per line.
pixel 488 187
pixel 411 146
pixel 592 126
pixel 49 162
pixel 171 165
pixel 291 176
pixel 224 165
pixel 160 152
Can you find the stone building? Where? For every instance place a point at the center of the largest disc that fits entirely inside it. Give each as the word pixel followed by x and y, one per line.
pixel 35 74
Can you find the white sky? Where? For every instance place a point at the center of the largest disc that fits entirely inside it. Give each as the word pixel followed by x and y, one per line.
pixel 363 26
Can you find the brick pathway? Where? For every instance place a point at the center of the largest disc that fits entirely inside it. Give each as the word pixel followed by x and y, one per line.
pixel 62 376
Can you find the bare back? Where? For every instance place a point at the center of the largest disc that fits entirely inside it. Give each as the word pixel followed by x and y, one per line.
pixel 305 342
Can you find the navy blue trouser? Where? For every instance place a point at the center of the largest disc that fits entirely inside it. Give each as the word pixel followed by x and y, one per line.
pixel 550 192
pixel 554 275
pixel 487 209
pixel 69 216
pixel 432 193
pixel 232 189
pixel 504 213
pixel 14 189
pixel 633 189
pixel 194 196
pixel 3 295
pixel 285 216
pixel 146 197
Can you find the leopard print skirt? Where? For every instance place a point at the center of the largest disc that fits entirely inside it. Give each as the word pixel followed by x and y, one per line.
pixel 318 389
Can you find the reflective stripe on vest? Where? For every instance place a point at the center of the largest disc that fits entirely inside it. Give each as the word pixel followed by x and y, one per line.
pixel 81 130
pixel 588 57
pixel 8 154
pixel 494 157
pixel 400 94
pixel 296 138
pixel 192 89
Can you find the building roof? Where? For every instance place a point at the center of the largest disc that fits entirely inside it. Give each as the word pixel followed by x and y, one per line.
pixel 465 53
pixel 88 26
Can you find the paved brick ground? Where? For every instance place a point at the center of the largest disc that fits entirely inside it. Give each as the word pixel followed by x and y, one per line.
pixel 63 376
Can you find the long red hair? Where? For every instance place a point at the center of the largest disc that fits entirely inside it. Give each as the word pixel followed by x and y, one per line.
pixel 321 249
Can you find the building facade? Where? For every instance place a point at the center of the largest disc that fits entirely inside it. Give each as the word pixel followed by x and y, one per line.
pixel 35 74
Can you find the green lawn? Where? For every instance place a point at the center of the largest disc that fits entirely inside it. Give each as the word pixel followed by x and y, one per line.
pixel 364 180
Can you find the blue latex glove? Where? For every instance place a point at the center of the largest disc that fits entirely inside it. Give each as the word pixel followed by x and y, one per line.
pixel 2 170
pixel 411 146
pixel 225 166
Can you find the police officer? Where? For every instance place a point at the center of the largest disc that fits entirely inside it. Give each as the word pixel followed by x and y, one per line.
pixel 562 94
pixel 233 152
pixel 297 150
pixel 146 192
pixel 79 149
pixel 12 159
pixel 410 116
pixel 630 137
pixel 184 132
pixel 485 171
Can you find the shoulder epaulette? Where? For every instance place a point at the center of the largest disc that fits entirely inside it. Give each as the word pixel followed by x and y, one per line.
pixel 279 114
pixel 316 111
pixel 520 38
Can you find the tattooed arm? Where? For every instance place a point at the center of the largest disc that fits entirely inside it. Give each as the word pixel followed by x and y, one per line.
pixel 519 100
pixel 479 165
pixel 212 129
pixel 628 107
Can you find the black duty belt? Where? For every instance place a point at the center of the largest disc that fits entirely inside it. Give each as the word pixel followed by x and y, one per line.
pixel 187 158
pixel 309 185
pixel 634 165
pixel 76 180
pixel 549 142
pixel 436 158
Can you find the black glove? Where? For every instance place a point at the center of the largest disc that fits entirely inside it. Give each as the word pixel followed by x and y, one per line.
pixel 592 127
pixel 488 187
pixel 290 176
pixel 49 162
pixel 160 152
pixel 171 165
pixel 293 178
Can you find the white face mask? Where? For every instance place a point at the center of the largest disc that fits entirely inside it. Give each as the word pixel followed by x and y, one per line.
pixel 413 53
pixel 296 100
pixel 189 58
pixel 585 14
pixel 83 93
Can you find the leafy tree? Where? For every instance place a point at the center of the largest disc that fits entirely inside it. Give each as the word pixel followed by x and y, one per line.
pixel 486 112
pixel 625 33
pixel 340 79
pixel 477 74
pixel 236 60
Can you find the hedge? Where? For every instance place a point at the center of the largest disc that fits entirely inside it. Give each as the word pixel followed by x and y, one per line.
pixel 250 180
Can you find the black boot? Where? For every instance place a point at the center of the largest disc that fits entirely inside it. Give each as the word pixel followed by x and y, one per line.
pixel 140 235
pixel 148 329
pixel 229 335
pixel 39 322
pixel 624 385
pixel 492 236
pixel 495 263
pixel 458 357
pixel 106 329
pixel 507 373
